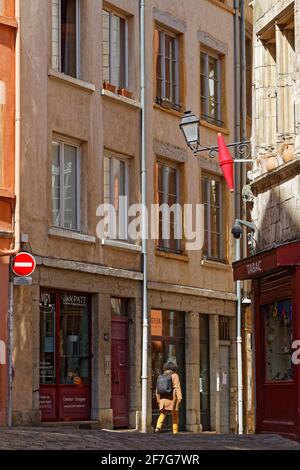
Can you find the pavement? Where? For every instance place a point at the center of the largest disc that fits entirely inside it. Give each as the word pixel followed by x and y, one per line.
pixel 58 438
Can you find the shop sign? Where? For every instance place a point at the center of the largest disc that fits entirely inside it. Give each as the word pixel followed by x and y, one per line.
pixel 254 267
pixel 156 322
pixel 74 300
pixel 46 402
pixel 46 369
pixel 74 402
pixel 45 298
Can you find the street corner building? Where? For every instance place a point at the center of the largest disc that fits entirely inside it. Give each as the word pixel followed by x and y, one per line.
pixel 275 187
pixel 77 330
pixel 8 27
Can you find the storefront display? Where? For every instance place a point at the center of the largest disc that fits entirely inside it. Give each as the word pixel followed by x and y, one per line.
pixel 64 356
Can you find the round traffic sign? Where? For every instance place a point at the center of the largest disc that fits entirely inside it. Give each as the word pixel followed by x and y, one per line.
pixel 23 264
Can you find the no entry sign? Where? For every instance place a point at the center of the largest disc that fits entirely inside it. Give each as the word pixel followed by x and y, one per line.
pixel 23 264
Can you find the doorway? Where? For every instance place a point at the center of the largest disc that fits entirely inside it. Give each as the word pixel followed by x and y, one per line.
pixel 167 344
pixel 204 373
pixel 119 363
pixel 224 358
pixel 65 356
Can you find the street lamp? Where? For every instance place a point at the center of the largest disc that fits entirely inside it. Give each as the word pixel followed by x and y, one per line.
pixel 190 127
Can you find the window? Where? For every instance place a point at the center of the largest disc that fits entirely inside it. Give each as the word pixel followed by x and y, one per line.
pixel 115 49
pixel 65 186
pixel 278 338
pixel 211 100
pixel 116 193
pixel 249 77
pixel 213 225
pixel 65 36
pixel 168 194
pixel 167 68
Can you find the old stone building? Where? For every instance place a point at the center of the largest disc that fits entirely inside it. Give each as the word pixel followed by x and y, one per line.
pixel 274 269
pixel 8 28
pixel 78 328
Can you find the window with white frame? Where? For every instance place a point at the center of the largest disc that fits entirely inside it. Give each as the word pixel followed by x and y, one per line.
pixel 211 99
pixel 168 193
pixel 66 36
pixel 116 193
pixel 213 217
pixel 65 185
pixel 115 49
pixel 166 46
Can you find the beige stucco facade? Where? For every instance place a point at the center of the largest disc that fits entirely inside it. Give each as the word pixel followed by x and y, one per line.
pixel 55 105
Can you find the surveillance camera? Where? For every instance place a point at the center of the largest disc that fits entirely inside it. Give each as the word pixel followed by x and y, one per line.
pixel 237 231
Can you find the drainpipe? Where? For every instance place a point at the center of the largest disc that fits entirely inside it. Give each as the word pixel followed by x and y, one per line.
pixel 144 222
pixel 237 214
pixel 243 112
pixel 17 237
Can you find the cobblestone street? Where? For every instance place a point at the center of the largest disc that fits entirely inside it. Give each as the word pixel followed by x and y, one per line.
pixel 82 439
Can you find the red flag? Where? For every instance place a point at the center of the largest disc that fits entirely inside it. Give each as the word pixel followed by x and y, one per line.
pixel 226 163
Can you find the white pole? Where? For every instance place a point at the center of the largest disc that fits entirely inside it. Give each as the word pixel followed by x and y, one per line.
pixel 239 344
pixel 10 350
pixel 144 223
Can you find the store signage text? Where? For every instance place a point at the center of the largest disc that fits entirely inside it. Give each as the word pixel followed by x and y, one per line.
pixel 70 299
pixel 254 267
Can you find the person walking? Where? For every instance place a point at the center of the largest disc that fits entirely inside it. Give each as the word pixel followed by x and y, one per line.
pixel 168 395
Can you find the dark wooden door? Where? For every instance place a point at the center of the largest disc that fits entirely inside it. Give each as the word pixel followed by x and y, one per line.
pixel 120 372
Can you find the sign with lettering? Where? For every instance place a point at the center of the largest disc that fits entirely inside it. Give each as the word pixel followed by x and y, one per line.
pixel 255 267
pixel 156 322
pixel 74 300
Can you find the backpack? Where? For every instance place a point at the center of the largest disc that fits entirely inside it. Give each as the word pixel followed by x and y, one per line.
pixel 164 384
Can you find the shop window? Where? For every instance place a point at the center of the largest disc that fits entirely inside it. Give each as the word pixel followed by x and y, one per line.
pixel 47 338
pixel 69 352
pixel 277 319
pixel 167 344
pixel 213 218
pixel 116 193
pixel 65 36
pixel 114 49
pixel 166 50
pixel 74 340
pixel 211 86
pixel 65 185
pixel 170 217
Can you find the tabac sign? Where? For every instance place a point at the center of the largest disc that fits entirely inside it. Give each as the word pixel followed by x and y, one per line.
pixel 263 263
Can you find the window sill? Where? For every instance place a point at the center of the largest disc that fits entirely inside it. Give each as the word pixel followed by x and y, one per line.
pixel 213 127
pixel 168 110
pixel 121 99
pixel 6 234
pixel 62 77
pixel 8 21
pixel 207 263
pixel 223 6
pixel 69 235
pixel 121 245
pixel 173 256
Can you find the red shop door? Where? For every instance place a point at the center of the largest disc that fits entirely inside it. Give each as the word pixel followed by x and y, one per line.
pixel 120 372
pixel 276 382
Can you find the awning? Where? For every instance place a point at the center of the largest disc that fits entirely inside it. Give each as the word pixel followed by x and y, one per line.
pixel 267 261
